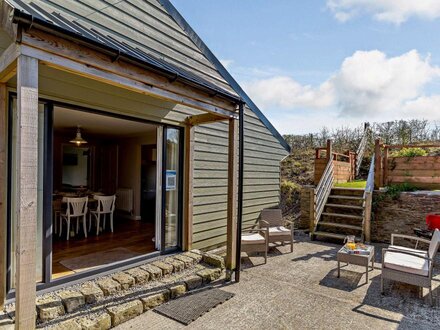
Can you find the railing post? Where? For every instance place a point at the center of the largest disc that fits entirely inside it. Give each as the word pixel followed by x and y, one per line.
pixel 367 215
pixel 385 165
pixel 312 212
pixel 377 165
pixel 329 149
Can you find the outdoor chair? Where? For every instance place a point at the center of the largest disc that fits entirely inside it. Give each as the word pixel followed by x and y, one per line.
pixel 77 209
pixel 106 205
pixel 255 240
pixel 277 227
pixel 411 266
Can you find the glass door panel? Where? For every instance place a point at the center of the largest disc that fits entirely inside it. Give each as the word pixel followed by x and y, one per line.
pixel 172 186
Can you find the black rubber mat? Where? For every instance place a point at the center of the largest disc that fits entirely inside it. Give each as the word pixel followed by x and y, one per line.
pixel 189 308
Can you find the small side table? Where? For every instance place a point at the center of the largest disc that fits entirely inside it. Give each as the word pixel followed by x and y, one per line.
pixel 356 259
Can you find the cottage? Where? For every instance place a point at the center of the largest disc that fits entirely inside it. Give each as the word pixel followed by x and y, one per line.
pixel 122 138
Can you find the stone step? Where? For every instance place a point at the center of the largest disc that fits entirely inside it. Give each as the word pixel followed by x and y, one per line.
pixel 333 235
pixel 339 225
pixel 345 206
pixel 116 298
pixel 341 215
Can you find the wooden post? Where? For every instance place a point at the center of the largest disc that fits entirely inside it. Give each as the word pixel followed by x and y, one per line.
pixel 385 165
pixel 232 195
pixel 3 183
pixel 312 212
pixel 26 167
pixel 367 215
pixel 377 165
pixel 329 149
pixel 189 179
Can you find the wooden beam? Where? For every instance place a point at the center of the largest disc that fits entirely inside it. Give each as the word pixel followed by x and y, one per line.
pixel 3 190
pixel 189 178
pixel 6 24
pixel 206 118
pixel 26 168
pixel 232 207
pixel 72 57
pixel 8 62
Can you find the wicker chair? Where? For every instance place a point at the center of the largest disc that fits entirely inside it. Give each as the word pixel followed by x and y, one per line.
pixel 278 232
pixel 412 266
pixel 255 240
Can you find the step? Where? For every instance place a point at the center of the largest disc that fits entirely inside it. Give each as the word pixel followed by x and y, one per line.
pixel 348 189
pixel 117 297
pixel 333 235
pixel 341 215
pixel 339 225
pixel 343 206
pixel 359 198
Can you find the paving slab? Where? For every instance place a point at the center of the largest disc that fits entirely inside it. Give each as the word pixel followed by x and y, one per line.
pixel 300 290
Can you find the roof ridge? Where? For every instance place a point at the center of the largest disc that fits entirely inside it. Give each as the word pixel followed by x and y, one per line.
pixel 180 20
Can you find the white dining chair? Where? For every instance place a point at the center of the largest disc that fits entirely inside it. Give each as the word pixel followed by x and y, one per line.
pixel 106 205
pixel 76 209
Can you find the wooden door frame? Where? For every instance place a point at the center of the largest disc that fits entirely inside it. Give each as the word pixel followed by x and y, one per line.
pixel 48 283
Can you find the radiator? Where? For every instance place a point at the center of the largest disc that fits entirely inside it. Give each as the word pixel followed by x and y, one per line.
pixel 124 200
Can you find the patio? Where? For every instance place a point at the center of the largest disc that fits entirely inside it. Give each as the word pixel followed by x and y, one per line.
pixel 300 290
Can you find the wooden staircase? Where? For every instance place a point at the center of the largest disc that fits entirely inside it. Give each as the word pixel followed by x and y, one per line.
pixel 343 215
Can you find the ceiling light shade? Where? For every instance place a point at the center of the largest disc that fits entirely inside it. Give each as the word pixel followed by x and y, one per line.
pixel 78 140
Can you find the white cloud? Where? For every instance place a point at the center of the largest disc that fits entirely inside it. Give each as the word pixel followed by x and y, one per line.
pixel 394 11
pixel 369 81
pixel 226 63
pixel 368 86
pixel 284 92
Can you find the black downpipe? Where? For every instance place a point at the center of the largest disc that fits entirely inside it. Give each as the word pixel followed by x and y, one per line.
pixel 240 190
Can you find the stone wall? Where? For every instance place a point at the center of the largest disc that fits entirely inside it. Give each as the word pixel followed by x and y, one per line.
pixel 403 214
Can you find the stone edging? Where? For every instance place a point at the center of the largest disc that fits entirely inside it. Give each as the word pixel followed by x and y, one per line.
pixel 111 300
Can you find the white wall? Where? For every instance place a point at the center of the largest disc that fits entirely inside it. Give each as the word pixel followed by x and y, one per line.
pixel 76 175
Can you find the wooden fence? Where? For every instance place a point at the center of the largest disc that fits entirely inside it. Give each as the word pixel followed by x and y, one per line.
pixel 344 165
pixel 421 171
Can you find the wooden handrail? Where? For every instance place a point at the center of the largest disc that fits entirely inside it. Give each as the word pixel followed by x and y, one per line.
pixel 336 155
pixel 401 146
pixel 322 191
pixel 368 202
pixel 361 149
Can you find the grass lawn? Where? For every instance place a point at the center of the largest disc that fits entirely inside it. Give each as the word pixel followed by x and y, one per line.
pixel 353 184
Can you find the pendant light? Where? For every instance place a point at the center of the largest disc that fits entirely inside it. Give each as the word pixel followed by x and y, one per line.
pixel 78 140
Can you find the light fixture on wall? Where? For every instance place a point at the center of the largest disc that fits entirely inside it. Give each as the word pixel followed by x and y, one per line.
pixel 78 140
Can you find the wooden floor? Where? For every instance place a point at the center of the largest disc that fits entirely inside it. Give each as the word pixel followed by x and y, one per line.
pixel 135 236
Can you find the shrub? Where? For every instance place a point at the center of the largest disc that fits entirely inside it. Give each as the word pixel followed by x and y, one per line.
pixel 410 152
pixel 393 191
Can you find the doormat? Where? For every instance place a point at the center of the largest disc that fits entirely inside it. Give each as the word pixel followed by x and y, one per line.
pixel 96 259
pixel 189 308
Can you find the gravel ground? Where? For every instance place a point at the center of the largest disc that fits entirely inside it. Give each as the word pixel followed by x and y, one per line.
pixel 300 290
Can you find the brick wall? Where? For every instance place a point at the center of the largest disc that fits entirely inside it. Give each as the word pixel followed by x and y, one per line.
pixel 402 215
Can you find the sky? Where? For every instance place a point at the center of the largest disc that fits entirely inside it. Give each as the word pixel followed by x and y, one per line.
pixel 309 64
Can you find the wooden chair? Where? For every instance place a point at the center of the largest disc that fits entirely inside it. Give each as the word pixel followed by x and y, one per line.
pixel 106 205
pixel 411 266
pixel 273 220
pixel 255 240
pixel 76 208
